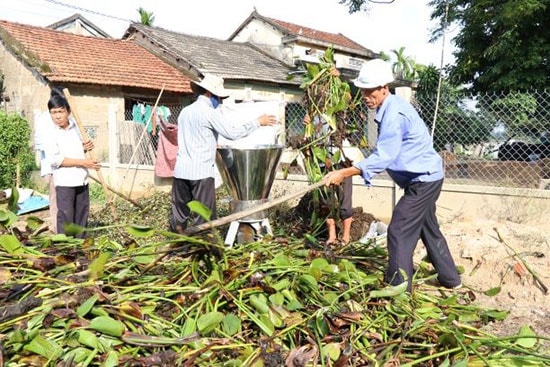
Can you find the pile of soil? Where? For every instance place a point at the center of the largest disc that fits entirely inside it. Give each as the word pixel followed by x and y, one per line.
pixel 300 216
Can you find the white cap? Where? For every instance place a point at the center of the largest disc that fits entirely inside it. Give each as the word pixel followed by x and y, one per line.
pixel 213 84
pixel 374 73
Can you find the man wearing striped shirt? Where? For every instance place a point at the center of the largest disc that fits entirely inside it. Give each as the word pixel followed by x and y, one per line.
pixel 199 126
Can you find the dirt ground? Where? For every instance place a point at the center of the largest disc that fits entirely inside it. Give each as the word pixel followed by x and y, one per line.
pixel 499 253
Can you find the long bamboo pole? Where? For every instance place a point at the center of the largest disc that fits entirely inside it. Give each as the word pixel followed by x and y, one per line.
pixel 247 212
pixel 236 216
pixel 125 197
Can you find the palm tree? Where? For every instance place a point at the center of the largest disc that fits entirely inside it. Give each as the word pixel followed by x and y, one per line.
pixel 404 66
pixel 146 18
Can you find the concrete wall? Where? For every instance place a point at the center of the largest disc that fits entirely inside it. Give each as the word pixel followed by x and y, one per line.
pixel 24 91
pixel 455 202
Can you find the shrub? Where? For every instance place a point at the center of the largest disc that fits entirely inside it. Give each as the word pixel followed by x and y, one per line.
pixel 15 150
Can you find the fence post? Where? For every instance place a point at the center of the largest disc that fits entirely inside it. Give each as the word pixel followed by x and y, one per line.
pixel 113 143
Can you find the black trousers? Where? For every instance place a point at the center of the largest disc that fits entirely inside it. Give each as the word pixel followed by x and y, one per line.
pixel 414 218
pixel 339 198
pixel 184 191
pixel 73 206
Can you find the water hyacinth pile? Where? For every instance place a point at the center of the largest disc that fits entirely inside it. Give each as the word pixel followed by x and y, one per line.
pixel 161 299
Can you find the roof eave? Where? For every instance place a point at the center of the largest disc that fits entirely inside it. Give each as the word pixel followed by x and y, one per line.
pixel 365 53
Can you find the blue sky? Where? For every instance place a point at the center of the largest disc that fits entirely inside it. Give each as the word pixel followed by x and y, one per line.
pixel 402 23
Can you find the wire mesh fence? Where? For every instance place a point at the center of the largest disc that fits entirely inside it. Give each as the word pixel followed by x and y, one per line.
pixel 500 140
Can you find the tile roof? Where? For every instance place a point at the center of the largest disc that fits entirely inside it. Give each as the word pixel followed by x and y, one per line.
pixel 230 60
pixel 314 36
pixel 337 39
pixel 64 57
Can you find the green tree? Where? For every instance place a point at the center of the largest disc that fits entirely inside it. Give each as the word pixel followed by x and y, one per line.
pixel 404 66
pixel 356 5
pixel 502 45
pixel 16 155
pixel 146 18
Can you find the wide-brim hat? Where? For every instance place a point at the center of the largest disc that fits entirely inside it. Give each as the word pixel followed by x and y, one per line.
pixel 213 84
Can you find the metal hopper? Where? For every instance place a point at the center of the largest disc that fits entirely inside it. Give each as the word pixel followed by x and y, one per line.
pixel 249 174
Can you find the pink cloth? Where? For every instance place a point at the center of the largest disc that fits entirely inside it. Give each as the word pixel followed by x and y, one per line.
pixel 167 149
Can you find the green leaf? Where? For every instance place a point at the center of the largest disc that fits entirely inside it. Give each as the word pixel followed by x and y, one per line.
pixel 259 303
pixel 14 198
pixel 294 305
pixel 529 339
pixel 281 260
pixel 3 216
pixel 389 291
pixel 11 244
pixel 282 284
pixel 277 299
pixel 490 315
pixel 107 325
pixel 492 292
pixel 189 327
pixel 140 231
pixel 461 363
pixel 111 360
pixel 72 229
pixel 98 265
pixel 77 355
pixel 231 324
pixel 266 325
pixel 33 222
pixel 208 322
pixel 44 347
pixel 199 208
pixel 308 282
pixel 89 339
pixel 332 350
pixel 84 308
pixel 319 263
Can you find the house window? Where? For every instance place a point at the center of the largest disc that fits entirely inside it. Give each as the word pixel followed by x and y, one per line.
pixel 355 62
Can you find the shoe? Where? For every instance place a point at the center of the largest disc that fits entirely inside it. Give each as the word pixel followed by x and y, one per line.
pixel 453 287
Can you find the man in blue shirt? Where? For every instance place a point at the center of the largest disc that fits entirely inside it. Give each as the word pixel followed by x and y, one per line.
pixel 405 150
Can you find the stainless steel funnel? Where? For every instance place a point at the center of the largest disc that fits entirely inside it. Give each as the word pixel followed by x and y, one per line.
pixel 249 174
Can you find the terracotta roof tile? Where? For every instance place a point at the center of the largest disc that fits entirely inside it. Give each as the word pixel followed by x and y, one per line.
pixel 66 57
pixel 336 39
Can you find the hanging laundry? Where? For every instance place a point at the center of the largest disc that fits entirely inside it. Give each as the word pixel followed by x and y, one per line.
pixel 167 149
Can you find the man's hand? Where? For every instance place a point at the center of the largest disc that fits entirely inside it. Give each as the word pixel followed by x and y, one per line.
pixel 267 120
pixel 91 163
pixel 337 177
pixel 88 145
pixel 334 177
